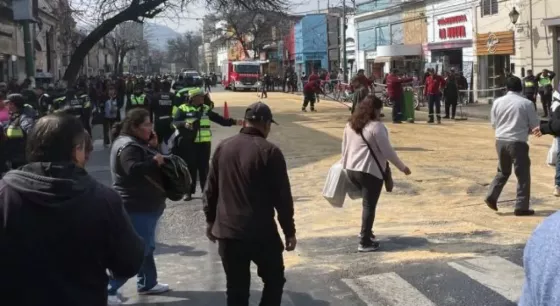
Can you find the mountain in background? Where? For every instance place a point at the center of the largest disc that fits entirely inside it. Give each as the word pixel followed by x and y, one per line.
pixel 157 35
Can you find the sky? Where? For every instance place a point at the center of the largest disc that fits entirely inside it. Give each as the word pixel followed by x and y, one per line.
pixel 195 11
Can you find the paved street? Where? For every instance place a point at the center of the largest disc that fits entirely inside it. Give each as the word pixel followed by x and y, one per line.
pixel 440 245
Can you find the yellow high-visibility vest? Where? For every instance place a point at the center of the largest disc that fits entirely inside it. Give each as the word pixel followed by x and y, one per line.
pixel 204 133
pixel 137 100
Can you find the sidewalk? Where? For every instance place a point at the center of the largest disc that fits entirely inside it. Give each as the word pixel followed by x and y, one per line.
pixel 472 110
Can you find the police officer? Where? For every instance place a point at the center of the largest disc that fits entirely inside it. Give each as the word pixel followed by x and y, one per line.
pixel 544 80
pixel 44 101
pixel 69 103
pixel 193 121
pixel 162 105
pixel 22 119
pixel 87 110
pixel 182 95
pixel 530 87
pixel 138 99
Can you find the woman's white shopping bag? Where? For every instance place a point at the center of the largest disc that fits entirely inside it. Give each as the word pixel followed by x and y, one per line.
pixel 552 157
pixel 334 190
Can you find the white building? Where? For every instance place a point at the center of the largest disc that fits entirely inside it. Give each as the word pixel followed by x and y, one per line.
pixel 350 45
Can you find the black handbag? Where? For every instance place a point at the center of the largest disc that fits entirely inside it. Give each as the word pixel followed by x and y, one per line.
pixel 387 174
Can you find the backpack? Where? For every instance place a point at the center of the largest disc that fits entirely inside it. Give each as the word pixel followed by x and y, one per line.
pixel 175 174
pixel 176 177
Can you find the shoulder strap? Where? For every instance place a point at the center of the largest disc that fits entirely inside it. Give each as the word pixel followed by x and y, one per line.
pixel 384 173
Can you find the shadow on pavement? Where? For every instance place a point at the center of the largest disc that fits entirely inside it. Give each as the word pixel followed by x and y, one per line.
pixel 182 250
pixel 446 243
pixel 218 298
pixel 538 213
pixel 412 149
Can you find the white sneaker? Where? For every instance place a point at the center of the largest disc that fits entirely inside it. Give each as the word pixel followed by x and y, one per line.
pixel 113 300
pixel 157 289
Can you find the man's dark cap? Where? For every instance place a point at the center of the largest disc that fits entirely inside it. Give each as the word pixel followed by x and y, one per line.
pixel 259 112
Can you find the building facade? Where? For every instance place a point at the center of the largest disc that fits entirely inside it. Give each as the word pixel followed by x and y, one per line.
pixel 350 45
pixel 310 35
pixel 381 37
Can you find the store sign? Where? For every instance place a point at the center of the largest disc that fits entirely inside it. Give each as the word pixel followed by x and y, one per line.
pixel 495 43
pixel 452 27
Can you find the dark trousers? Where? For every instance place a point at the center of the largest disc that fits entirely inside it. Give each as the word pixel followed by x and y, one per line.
pixel 533 99
pixel 198 162
pixel 516 154
pixel 264 94
pixel 450 104
pixel 434 100
pixel 546 100
pixel 237 256
pixel 207 87
pixel 371 190
pixel 163 129
pixel 107 126
pixel 308 98
pixel 397 108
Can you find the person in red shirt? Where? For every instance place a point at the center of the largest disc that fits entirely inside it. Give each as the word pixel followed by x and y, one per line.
pixel 432 89
pixel 361 84
pixel 310 91
pixel 395 93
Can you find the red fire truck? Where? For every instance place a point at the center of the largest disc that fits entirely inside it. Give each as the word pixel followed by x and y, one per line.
pixel 242 75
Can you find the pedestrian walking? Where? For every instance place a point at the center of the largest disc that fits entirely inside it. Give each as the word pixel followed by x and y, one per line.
pixel 366 151
pixel 552 127
pixel 110 115
pixel 135 170
pixel 544 79
pixel 60 229
pixel 361 85
pixel 247 183
pixel 513 117
pixel 310 92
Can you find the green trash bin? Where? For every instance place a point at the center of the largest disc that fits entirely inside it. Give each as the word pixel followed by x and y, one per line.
pixel 408 105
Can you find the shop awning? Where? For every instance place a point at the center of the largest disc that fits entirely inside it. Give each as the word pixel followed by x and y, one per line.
pixel 549 22
pixel 387 59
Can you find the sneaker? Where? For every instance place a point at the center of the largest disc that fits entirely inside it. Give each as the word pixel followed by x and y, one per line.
pixel 113 300
pixel 524 212
pixel 157 289
pixel 557 191
pixel 369 247
pixel 187 197
pixel 303 110
pixel 313 110
pixel 372 236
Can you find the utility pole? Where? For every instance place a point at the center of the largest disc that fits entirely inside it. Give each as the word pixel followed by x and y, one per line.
pixel 28 46
pixel 344 26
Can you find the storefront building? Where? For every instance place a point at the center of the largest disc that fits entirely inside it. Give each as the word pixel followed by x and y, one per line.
pixel 381 37
pixel 289 49
pixel 311 44
pixel 494 51
pixel 450 35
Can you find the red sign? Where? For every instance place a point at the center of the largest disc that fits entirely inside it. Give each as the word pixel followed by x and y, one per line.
pixel 453 32
pixel 452 20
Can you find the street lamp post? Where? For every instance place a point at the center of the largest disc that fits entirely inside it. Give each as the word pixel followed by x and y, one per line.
pixel 514 17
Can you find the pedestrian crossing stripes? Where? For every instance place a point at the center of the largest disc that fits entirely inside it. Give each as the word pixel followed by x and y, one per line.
pixel 491 280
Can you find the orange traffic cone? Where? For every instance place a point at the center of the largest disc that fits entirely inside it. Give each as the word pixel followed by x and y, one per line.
pixel 226 110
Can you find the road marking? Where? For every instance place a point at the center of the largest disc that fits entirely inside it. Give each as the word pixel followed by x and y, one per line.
pixel 390 287
pixel 496 273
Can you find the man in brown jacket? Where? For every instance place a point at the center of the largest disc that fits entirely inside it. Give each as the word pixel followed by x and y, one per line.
pixel 248 181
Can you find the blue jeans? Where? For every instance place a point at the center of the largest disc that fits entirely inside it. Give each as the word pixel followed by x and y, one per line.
pixel 557 177
pixel 145 226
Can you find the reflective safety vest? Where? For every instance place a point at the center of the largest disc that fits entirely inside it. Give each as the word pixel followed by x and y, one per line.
pixel 529 84
pixel 87 102
pixel 137 100
pixel 204 133
pixel 14 131
pixel 183 91
pixel 544 81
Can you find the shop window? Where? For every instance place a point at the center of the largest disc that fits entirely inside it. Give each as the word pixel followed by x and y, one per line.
pixel 489 7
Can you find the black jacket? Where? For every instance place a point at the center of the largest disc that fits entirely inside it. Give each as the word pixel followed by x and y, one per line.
pixel 136 177
pixel 60 231
pixel 552 126
pixel 248 180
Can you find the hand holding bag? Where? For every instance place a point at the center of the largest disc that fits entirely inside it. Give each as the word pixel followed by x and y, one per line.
pixel 387 175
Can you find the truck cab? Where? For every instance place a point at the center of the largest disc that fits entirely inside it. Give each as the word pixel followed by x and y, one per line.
pixel 242 75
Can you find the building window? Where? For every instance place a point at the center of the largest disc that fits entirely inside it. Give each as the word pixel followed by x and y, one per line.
pixel 489 7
